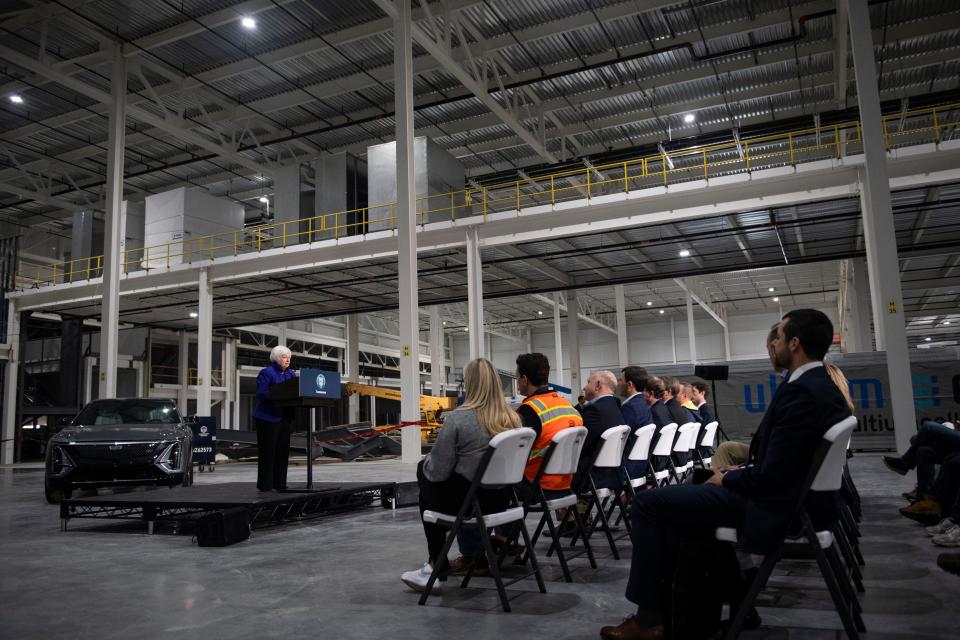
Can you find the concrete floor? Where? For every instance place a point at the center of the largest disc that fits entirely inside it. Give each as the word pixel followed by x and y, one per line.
pixel 338 577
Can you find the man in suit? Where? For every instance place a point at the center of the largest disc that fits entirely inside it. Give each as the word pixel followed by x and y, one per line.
pixel 653 393
pixel 601 410
pixel 758 498
pixel 671 390
pixel 686 401
pixel 636 411
pixel 698 393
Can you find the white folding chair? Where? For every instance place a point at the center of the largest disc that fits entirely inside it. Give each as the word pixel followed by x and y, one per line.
pixel 707 443
pixel 681 449
pixel 661 454
pixel 502 466
pixel 609 456
pixel 825 475
pixel 640 452
pixel 561 458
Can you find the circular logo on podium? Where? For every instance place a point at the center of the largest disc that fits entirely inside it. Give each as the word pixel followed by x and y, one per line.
pixel 203 430
pixel 321 381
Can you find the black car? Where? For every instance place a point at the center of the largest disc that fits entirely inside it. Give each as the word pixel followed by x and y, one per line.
pixel 122 442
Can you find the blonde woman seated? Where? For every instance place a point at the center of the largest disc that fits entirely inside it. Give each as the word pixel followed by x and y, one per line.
pixel 445 474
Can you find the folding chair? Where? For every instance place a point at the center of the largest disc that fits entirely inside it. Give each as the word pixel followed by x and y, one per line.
pixel 825 475
pixel 640 452
pixel 705 448
pixel 561 458
pixel 502 465
pixel 608 456
pixel 660 463
pixel 682 450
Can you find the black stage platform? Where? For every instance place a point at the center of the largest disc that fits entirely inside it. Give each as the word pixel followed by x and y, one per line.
pixel 265 509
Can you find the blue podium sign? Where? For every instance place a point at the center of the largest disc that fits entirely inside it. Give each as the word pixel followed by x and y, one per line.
pixel 315 383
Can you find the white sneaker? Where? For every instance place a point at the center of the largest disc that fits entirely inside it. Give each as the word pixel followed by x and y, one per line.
pixel 939 529
pixel 949 539
pixel 418 579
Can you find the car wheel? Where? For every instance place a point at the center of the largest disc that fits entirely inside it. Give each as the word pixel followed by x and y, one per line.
pixel 56 495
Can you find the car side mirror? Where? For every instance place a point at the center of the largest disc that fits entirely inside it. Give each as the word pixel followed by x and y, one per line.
pixel 63 422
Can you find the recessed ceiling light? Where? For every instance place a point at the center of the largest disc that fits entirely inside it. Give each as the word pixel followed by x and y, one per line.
pixel 649 304
pixel 776 299
pixel 661 311
pixel 770 289
pixel 194 314
pixel 539 313
pixel 16 98
pixel 928 339
pixel 946 322
pixel 684 253
pixel 248 23
pixel 466 328
pixel 264 199
pixel 444 323
pixel 689 118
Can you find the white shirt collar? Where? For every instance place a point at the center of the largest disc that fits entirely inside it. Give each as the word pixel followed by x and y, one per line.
pixel 799 371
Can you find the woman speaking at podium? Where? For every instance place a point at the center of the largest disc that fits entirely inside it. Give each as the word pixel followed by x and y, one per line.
pixel 273 427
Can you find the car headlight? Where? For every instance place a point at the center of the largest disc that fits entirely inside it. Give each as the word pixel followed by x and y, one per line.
pixel 60 461
pixel 170 458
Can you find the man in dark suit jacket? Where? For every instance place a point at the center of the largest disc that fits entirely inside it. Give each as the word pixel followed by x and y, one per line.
pixel 636 412
pixel 757 498
pixel 653 393
pixel 670 393
pixel 601 410
pixel 699 396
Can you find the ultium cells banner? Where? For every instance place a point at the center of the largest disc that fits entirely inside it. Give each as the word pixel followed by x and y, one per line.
pixel 744 398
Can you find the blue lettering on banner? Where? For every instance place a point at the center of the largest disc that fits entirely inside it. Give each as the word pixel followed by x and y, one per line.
pixel 864 385
pixel 761 404
pixel 926 391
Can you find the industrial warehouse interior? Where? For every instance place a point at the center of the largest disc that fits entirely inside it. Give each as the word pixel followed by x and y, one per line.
pixel 630 319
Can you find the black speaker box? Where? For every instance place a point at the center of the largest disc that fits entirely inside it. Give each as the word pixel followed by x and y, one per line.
pixel 223 528
pixel 712 371
pixel 403 494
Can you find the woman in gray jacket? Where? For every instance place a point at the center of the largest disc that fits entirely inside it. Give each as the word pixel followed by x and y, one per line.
pixel 446 473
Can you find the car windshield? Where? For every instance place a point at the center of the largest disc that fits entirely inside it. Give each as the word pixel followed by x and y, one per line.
pixel 127 412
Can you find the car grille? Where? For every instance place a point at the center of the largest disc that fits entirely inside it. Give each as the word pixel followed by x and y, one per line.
pixel 113 454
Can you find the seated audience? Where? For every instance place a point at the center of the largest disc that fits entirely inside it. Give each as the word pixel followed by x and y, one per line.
pixel 941 439
pixel 757 499
pixel 653 393
pixel 687 403
pixel 940 504
pixel 671 388
pixel 636 412
pixel 446 473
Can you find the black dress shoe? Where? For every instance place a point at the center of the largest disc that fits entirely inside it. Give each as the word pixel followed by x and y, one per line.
pixel 949 562
pixel 896 464
pixel 630 629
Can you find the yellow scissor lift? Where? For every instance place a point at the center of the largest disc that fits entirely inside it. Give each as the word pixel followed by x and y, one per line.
pixel 430 406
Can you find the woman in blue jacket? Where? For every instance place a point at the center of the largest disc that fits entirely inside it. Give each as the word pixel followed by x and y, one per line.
pixel 273 428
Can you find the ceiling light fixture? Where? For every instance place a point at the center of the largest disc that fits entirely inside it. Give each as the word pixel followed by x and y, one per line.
pixel 444 323
pixel 946 322
pixel 466 328
pixel 248 23
pixel 928 339
pixel 539 313
pixel 689 118
pixel 194 314
pixel 684 253
pixel 16 98
pixel 649 304
pixel 264 199
pixel 770 289
pixel 661 312
pixel 776 299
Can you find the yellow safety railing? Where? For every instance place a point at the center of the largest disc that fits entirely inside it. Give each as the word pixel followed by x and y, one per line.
pixel 170 374
pixel 913 127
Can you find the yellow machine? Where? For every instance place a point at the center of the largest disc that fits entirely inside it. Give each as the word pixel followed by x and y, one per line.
pixel 430 406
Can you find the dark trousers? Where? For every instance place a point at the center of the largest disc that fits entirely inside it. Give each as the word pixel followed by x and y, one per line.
pixel 447 497
pixel 943 440
pixel 927 461
pixel 273 452
pixel 660 518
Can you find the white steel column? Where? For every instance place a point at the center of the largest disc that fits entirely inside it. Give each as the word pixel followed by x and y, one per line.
pixel 691 328
pixel 406 214
pixel 112 259
pixel 573 342
pixel 673 339
pixel 352 365
pixel 528 340
pixel 437 364
pixel 10 375
pixel 557 341
pixel 183 372
pixel 879 231
pixel 726 335
pixel 474 294
pixel 229 373
pixel 204 342
pixel 622 348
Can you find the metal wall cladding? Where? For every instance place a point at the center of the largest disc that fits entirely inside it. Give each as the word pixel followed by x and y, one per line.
pixel 436 173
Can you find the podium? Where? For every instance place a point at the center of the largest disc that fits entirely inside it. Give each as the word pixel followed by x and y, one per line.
pixel 311 388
